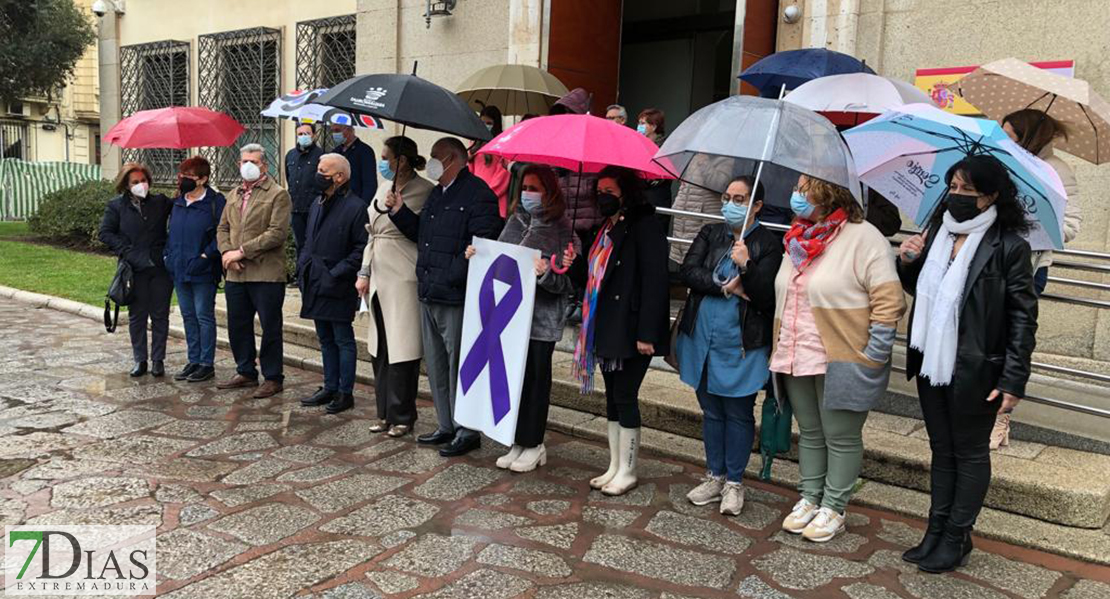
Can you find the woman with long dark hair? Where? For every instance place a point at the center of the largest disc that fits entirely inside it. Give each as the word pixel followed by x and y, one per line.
pixel 625 314
pixel 538 220
pixel 971 337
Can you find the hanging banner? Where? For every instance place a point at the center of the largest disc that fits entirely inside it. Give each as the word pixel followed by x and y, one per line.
pixel 935 82
pixel 497 324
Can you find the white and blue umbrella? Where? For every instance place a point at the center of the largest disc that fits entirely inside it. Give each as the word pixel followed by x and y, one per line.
pixel 905 153
pixel 300 106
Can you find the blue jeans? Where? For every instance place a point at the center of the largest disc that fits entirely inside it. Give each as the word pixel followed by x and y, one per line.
pixel 728 430
pixel 197 302
pixel 1040 280
pixel 337 344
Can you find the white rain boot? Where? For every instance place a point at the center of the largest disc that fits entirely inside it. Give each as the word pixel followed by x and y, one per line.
pixel 530 458
pixel 507 460
pixel 614 457
pixel 625 480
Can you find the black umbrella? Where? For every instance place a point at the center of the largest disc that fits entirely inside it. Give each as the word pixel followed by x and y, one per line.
pixel 409 100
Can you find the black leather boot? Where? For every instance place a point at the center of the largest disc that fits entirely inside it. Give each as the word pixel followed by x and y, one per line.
pixel 139 369
pixel 952 552
pixel 157 368
pixel 933 534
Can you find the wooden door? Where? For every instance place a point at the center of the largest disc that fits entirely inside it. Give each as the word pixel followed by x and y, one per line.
pixel 584 47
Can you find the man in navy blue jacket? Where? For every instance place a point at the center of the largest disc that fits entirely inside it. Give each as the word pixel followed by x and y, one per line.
pixel 300 172
pixel 460 208
pixel 364 165
pixel 327 269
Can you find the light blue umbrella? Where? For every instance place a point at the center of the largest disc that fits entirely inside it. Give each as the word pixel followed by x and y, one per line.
pixel 905 153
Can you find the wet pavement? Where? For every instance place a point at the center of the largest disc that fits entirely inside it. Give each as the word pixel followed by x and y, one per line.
pixel 264 498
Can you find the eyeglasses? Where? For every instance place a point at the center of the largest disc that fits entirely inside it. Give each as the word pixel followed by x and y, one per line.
pixel 739 199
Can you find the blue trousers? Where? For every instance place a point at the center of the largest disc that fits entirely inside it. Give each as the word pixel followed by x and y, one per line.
pixel 337 344
pixel 728 430
pixel 197 302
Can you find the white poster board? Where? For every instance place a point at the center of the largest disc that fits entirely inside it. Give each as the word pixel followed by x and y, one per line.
pixel 497 324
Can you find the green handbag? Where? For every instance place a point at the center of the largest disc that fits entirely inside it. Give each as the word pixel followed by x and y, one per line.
pixel 774 432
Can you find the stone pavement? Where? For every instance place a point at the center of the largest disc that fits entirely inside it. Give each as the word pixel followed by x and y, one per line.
pixel 263 498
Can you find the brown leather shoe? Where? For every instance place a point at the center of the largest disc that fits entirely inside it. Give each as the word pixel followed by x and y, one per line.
pixel 237 382
pixel 268 389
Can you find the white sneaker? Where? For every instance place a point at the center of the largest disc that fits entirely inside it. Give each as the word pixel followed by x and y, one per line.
pixel 507 460
pixel 800 517
pixel 732 499
pixel 529 459
pixel 824 526
pixel 709 491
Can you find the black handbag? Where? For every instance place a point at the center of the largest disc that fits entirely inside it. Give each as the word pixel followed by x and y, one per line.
pixel 120 292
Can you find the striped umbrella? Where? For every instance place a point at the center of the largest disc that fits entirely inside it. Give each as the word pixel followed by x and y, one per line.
pixel 1008 85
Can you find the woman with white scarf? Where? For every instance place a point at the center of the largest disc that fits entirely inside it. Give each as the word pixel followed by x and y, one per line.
pixel 972 333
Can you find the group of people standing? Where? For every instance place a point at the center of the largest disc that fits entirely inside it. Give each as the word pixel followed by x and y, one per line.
pixel 811 315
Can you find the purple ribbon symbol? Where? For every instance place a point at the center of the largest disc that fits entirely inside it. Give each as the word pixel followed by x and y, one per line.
pixel 495 316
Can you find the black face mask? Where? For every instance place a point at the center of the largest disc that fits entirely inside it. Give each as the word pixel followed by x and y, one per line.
pixel 322 182
pixel 186 185
pixel 963 207
pixel 608 204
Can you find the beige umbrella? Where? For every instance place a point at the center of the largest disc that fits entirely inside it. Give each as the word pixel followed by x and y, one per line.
pixel 1009 85
pixel 514 88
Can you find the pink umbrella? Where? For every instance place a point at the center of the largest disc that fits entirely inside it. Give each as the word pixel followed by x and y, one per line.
pixel 177 127
pixel 577 142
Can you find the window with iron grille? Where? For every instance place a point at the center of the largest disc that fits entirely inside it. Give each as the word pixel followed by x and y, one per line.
pixel 155 75
pixel 13 140
pixel 239 74
pixel 325 57
pixel 325 51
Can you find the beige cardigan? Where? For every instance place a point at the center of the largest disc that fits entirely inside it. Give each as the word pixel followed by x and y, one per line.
pixel 1072 215
pixel 391 260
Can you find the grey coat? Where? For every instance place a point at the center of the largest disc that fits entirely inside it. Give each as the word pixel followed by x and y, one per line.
pixel 553 290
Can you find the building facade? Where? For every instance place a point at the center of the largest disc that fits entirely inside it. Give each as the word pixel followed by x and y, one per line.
pixel 61 127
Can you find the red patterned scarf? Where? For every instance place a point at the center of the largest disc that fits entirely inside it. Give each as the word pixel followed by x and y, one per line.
pixel 806 240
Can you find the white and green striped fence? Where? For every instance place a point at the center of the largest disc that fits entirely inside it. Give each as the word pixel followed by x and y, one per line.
pixel 23 183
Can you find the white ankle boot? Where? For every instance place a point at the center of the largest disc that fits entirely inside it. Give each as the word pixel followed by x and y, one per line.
pixel 505 461
pixel 625 480
pixel 614 457
pixel 529 459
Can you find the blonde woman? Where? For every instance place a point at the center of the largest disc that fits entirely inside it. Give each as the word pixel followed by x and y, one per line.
pixel 838 300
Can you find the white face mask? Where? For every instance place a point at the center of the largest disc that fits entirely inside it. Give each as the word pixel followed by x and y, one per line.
pixel 435 169
pixel 139 190
pixel 250 171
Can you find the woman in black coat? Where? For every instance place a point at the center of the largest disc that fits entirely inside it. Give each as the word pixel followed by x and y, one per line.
pixel 134 228
pixel 625 314
pixel 972 333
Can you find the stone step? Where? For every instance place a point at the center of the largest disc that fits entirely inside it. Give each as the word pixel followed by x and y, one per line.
pixel 1049 483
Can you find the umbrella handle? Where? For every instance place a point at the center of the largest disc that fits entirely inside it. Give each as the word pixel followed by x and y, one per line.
pixel 376 209
pixel 557 265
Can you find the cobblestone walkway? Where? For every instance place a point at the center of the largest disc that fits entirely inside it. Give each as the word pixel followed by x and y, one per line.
pixel 263 498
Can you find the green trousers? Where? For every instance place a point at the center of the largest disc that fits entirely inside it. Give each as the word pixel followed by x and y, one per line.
pixel 830 444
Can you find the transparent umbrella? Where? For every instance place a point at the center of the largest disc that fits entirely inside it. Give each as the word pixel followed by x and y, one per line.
pixel 770 139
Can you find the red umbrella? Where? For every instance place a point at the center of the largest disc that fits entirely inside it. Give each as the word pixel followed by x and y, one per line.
pixel 177 127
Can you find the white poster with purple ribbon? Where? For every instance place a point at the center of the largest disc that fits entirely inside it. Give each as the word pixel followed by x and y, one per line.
pixel 497 324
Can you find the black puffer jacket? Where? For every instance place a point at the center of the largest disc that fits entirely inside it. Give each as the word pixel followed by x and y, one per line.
pixel 756 316
pixel 633 302
pixel 998 320
pixel 137 235
pixel 448 223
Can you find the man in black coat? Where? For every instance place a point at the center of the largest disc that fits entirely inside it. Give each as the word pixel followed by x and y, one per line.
pixel 300 175
pixel 459 209
pixel 364 165
pixel 328 267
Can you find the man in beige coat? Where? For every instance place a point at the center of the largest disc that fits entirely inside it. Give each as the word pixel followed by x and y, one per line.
pixel 251 238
